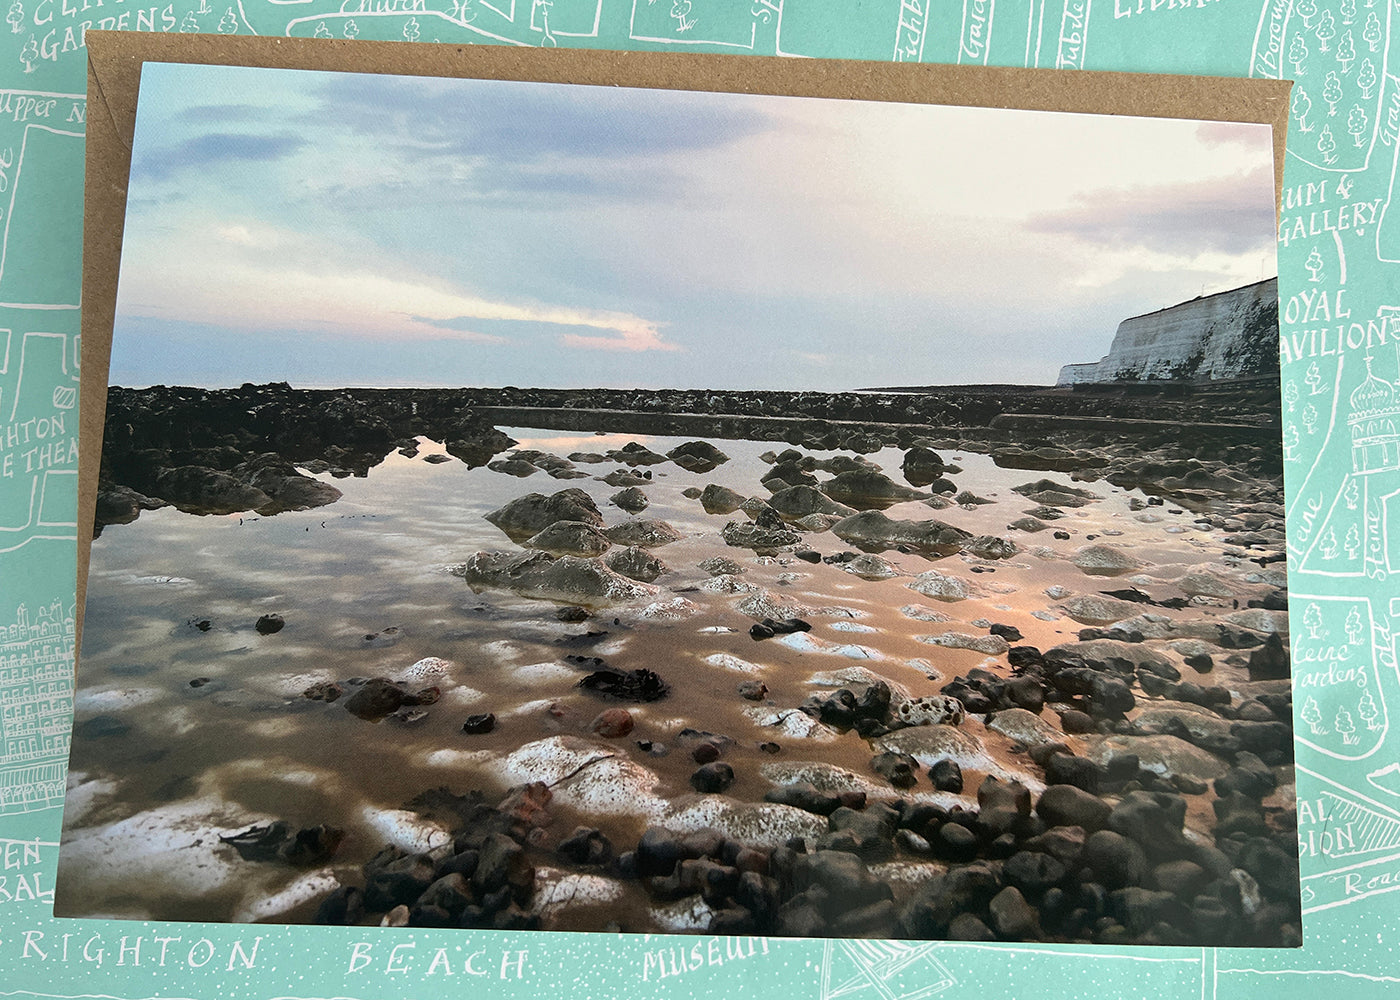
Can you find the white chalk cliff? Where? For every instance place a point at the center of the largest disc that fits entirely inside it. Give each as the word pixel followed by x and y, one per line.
pixel 1230 334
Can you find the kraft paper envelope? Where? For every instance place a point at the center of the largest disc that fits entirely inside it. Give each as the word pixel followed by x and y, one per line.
pixel 114 74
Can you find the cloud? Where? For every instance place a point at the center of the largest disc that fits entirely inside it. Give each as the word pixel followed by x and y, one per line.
pixel 1221 133
pixel 1232 215
pixel 273 279
pixel 213 149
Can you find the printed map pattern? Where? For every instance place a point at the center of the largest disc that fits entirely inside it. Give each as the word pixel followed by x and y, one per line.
pixel 1339 247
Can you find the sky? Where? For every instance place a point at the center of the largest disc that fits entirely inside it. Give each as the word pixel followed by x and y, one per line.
pixel 353 229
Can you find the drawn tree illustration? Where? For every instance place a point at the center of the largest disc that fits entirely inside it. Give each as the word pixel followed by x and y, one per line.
pixel 229 24
pixel 1326 146
pixel 1345 727
pixel 1332 92
pixel 1348 9
pixel 1351 494
pixel 16 17
pixel 1290 443
pixel 1314 264
pixel 1353 625
pixel 1312 621
pixel 1302 105
pixel 1370 715
pixel 1307 10
pixel 410 30
pixel 322 31
pixel 1310 418
pixel 29 55
pixel 1328 544
pixel 1366 79
pixel 1371 31
pixel 1325 31
pixel 351 30
pixel 1314 377
pixel 1346 51
pixel 1298 54
pixel 1312 715
pixel 189 25
pixel 1290 394
pixel 679 10
pixel 1353 542
pixel 1356 124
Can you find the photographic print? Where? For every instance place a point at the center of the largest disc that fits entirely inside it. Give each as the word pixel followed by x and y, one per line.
pixel 559 507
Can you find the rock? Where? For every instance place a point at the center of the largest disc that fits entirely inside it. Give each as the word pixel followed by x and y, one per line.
pixel 647 533
pixel 713 777
pixel 534 512
pixel 753 690
pixel 612 723
pixel 567 579
pixel 721 566
pixel 1164 755
pixel 635 563
pixel 1012 917
pixel 1024 727
pixel 1051 493
pixel 632 500
pixel 697 456
pixel 478 724
pixel 799 501
pixel 376 699
pixel 942 587
pixel 864 489
pixel 869 567
pixel 586 846
pixel 946 776
pixel 641 685
pixel 1116 861
pixel 1104 560
pixel 718 499
pixel 569 538
pixel 269 624
pixel 747 535
pixel 929 711
pixel 900 770
pixel 1065 805
pixel 1269 661
pixel 922 466
pixel 635 454
pixel 195 489
pixel 1095 609
pixel 990 547
pixel 991 645
pixel 874 531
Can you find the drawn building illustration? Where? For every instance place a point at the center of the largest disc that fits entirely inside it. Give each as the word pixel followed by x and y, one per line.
pixel 36 706
pixel 1375 417
pixel 1364 516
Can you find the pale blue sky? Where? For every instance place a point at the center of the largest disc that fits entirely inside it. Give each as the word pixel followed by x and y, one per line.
pixel 340 229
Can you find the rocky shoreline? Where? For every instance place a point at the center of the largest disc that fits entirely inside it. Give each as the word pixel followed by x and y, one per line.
pixel 1128 784
pixel 213 451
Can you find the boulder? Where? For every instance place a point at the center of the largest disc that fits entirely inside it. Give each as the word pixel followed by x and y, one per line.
pixel 873 531
pixel 569 538
pixel 866 489
pixel 799 501
pixel 635 564
pixel 567 579
pixel 647 533
pixel 534 512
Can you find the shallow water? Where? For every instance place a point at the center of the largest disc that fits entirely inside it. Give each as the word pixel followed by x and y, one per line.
pixel 365 589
